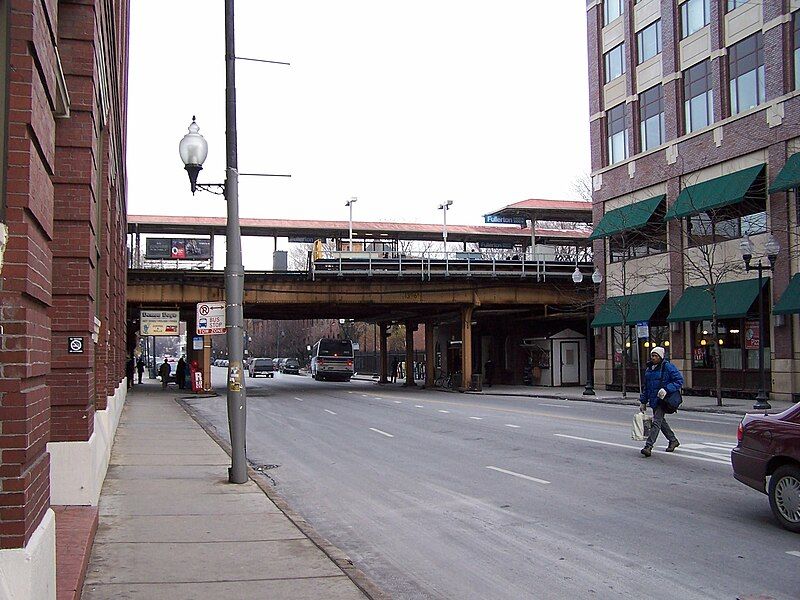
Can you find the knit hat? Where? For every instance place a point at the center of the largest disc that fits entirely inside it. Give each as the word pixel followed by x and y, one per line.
pixel 658 350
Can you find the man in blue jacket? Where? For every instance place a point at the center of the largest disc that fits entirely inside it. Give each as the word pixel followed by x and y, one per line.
pixel 660 379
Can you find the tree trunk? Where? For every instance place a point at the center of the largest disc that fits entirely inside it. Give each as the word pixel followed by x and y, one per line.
pixel 717 361
pixel 624 356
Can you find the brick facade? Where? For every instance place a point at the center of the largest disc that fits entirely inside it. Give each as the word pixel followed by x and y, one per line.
pixel 65 210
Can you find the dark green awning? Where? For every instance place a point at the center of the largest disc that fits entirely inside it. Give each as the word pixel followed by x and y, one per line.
pixel 789 177
pixel 714 193
pixel 628 309
pixel 789 302
pixel 628 217
pixel 734 299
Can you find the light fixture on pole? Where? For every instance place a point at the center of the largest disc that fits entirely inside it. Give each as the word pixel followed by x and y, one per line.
pixel 444 208
pixel 193 149
pixel 772 248
pixel 597 279
pixel 350 205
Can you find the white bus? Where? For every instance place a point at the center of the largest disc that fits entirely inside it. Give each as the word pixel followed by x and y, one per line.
pixel 332 359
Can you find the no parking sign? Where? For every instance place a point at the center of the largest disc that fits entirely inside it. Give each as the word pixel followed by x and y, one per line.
pixel 210 318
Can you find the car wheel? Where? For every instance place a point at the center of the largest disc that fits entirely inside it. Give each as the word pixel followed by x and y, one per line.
pixel 784 497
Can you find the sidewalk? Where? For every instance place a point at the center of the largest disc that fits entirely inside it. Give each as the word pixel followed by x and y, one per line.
pixel 171 526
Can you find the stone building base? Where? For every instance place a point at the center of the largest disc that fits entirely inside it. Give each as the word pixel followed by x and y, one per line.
pixel 29 573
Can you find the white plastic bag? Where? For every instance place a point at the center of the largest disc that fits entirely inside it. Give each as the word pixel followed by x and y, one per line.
pixel 640 429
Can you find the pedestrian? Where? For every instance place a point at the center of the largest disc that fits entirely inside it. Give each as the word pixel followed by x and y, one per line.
pixel 661 378
pixel 164 371
pixel 130 366
pixel 488 370
pixel 140 368
pixel 180 373
pixel 395 365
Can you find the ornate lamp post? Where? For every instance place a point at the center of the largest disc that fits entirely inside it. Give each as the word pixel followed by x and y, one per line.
pixel 349 204
pixel 597 279
pixel 772 248
pixel 444 208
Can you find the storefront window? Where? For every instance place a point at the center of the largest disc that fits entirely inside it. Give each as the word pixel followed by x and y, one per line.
pixel 738 339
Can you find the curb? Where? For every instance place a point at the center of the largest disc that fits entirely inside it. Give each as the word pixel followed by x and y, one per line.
pixel 335 554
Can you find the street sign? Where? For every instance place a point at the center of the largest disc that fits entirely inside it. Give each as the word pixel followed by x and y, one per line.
pixel 75 345
pixel 210 318
pixel 498 220
pixel 159 322
pixel 197 342
pixel 642 330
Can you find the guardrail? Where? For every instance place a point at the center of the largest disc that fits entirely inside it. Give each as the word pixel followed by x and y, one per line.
pixel 435 265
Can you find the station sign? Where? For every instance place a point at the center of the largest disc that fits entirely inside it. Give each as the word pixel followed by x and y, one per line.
pixel 178 249
pixel 211 318
pixel 159 322
pixel 304 239
pixel 496 245
pixel 498 220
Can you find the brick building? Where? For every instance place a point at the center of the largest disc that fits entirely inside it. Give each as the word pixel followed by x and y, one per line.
pixel 62 286
pixel 695 129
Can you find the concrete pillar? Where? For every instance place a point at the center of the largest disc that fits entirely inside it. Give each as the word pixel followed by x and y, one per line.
pixel 466 346
pixel 383 334
pixel 410 328
pixel 430 355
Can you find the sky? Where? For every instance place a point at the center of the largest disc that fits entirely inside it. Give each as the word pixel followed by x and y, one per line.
pixel 403 105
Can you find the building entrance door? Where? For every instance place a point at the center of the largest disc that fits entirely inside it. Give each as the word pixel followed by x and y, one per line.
pixel 570 369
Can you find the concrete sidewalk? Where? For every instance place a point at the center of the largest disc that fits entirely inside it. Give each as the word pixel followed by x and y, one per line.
pixel 171 526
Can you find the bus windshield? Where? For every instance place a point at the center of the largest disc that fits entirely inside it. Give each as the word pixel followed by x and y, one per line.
pixel 335 348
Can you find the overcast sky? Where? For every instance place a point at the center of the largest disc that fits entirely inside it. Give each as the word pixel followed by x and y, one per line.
pixel 402 104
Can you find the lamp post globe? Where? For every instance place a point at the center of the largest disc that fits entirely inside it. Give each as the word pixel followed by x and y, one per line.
pixel 193 149
pixel 597 277
pixel 577 276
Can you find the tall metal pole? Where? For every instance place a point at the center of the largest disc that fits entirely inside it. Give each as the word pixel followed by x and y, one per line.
pixel 762 401
pixel 234 272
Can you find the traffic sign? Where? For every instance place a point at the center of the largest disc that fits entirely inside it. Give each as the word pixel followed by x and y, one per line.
pixel 211 318
pixel 642 330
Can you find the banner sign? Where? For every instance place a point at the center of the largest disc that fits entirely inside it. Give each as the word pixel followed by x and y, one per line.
pixel 159 322
pixel 178 249
pixel 303 240
pixel 210 318
pixel 752 334
pixel 496 245
pixel 498 220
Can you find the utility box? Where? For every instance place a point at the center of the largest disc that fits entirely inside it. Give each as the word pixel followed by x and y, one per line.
pixel 280 260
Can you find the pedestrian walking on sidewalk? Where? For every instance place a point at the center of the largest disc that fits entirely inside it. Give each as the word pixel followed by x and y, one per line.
pixel 661 378
pixel 180 373
pixel 395 364
pixel 164 370
pixel 140 367
pixel 130 365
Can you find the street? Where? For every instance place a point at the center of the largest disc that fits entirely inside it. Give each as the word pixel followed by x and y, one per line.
pixel 441 495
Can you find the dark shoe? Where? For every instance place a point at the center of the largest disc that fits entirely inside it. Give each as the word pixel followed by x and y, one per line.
pixel 646 451
pixel 673 445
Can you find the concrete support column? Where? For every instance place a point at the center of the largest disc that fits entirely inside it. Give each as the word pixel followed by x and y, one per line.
pixel 466 346
pixel 383 334
pixel 410 328
pixel 430 355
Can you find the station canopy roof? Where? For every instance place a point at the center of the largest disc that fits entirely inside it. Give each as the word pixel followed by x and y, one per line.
pixel 564 211
pixel 313 229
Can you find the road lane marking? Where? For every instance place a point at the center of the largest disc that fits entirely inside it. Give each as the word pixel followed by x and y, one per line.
pixel 520 475
pixel 378 398
pixel 364 396
pixel 330 411
pixel 510 425
pixel 555 405
pixel 691 456
pixel 296 398
pixel 381 432
pixel 418 406
pixel 794 553
pixel 397 402
pixel 477 418
pixel 444 411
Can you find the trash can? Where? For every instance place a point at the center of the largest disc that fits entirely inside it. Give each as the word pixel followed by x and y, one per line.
pixel 476 385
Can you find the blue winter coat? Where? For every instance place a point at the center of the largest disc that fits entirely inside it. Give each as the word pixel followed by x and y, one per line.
pixel 672 382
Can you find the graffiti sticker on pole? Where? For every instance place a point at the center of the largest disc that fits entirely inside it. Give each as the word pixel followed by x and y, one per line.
pixel 211 318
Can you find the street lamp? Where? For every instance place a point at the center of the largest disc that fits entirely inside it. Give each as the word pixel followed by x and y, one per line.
pixel 350 205
pixel 772 248
pixel 597 279
pixel 193 150
pixel 444 208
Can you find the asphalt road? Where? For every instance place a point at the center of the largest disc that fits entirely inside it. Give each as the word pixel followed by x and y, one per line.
pixel 442 495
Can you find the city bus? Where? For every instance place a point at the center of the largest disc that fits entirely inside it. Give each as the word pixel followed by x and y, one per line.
pixel 332 359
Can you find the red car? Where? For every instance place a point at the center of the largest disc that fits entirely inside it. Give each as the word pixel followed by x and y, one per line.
pixel 769 446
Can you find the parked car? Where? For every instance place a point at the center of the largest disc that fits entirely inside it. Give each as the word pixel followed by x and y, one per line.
pixel 262 366
pixel 291 365
pixel 769 447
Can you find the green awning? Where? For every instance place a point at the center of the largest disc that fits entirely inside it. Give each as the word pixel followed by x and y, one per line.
pixel 714 193
pixel 734 299
pixel 789 302
pixel 628 217
pixel 628 309
pixel 789 177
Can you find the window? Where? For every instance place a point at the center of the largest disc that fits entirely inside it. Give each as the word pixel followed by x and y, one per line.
pixel 736 4
pixel 728 222
pixel 698 96
pixel 732 336
pixel 746 63
pixel 651 117
pixel 617 134
pixel 636 243
pixel 615 62
pixel 611 10
pixel 695 14
pixel 649 41
pixel 797 50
